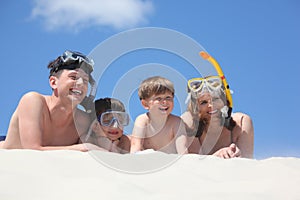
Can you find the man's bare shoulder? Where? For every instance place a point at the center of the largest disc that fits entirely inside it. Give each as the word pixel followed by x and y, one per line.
pixel 32 100
pixel 33 96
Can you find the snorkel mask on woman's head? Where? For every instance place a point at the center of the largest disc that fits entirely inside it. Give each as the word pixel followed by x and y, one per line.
pixel 210 83
pixel 216 85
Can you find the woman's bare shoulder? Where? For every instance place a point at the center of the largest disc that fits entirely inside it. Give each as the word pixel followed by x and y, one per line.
pixel 241 118
pixel 244 123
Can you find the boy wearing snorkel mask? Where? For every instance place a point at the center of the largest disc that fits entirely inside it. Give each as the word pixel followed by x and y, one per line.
pixel 47 122
pixel 211 128
pixel 158 129
pixel 107 129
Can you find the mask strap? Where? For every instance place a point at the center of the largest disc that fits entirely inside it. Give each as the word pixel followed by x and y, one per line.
pixel 88 101
pixel 90 130
pixel 188 98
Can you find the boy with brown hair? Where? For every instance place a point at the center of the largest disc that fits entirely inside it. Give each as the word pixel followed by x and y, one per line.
pixel 158 129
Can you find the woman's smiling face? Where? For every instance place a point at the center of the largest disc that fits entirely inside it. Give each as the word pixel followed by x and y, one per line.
pixel 209 105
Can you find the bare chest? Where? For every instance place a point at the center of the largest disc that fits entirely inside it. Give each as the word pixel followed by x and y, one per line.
pixel 60 133
pixel 160 139
pixel 212 143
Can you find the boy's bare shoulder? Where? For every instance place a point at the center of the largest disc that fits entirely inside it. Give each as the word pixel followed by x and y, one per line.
pixel 174 118
pixel 187 118
pixel 174 121
pixel 142 119
pixel 143 116
pixel 125 144
pixel 125 139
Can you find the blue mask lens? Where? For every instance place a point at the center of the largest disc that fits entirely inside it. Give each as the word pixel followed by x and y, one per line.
pixel 109 118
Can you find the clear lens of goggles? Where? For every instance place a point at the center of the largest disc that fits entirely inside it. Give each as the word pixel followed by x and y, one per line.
pixel 108 118
pixel 197 84
pixel 73 56
pixel 69 57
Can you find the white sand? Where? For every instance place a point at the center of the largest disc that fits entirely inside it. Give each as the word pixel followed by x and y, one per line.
pixel 27 174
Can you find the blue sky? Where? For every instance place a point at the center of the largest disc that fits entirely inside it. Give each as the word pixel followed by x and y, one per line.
pixel 257 44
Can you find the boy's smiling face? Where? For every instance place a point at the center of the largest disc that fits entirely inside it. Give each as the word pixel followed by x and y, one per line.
pixel 160 103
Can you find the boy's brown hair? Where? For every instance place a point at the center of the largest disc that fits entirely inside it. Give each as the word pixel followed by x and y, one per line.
pixel 155 85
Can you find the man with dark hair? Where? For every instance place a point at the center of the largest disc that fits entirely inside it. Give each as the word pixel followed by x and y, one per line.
pixel 50 122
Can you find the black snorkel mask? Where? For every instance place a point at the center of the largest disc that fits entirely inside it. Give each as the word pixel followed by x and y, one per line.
pixel 73 60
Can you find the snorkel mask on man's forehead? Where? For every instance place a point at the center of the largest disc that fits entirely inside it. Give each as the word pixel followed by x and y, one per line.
pixel 71 60
pixel 215 85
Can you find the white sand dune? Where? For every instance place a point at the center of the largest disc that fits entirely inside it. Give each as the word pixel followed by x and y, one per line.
pixel 28 174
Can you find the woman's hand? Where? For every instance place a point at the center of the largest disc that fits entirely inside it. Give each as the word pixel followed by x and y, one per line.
pixel 228 152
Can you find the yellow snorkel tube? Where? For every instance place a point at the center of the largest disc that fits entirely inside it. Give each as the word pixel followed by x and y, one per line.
pixel 216 65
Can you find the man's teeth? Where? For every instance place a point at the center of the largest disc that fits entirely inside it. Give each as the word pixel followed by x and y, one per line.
pixel 77 91
pixel 213 112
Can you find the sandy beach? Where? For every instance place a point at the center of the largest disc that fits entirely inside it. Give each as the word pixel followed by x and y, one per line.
pixel 29 174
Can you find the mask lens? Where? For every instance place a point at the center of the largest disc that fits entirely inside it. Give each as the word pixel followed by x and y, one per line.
pixel 70 57
pixel 108 118
pixel 214 81
pixel 195 84
pixel 81 57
